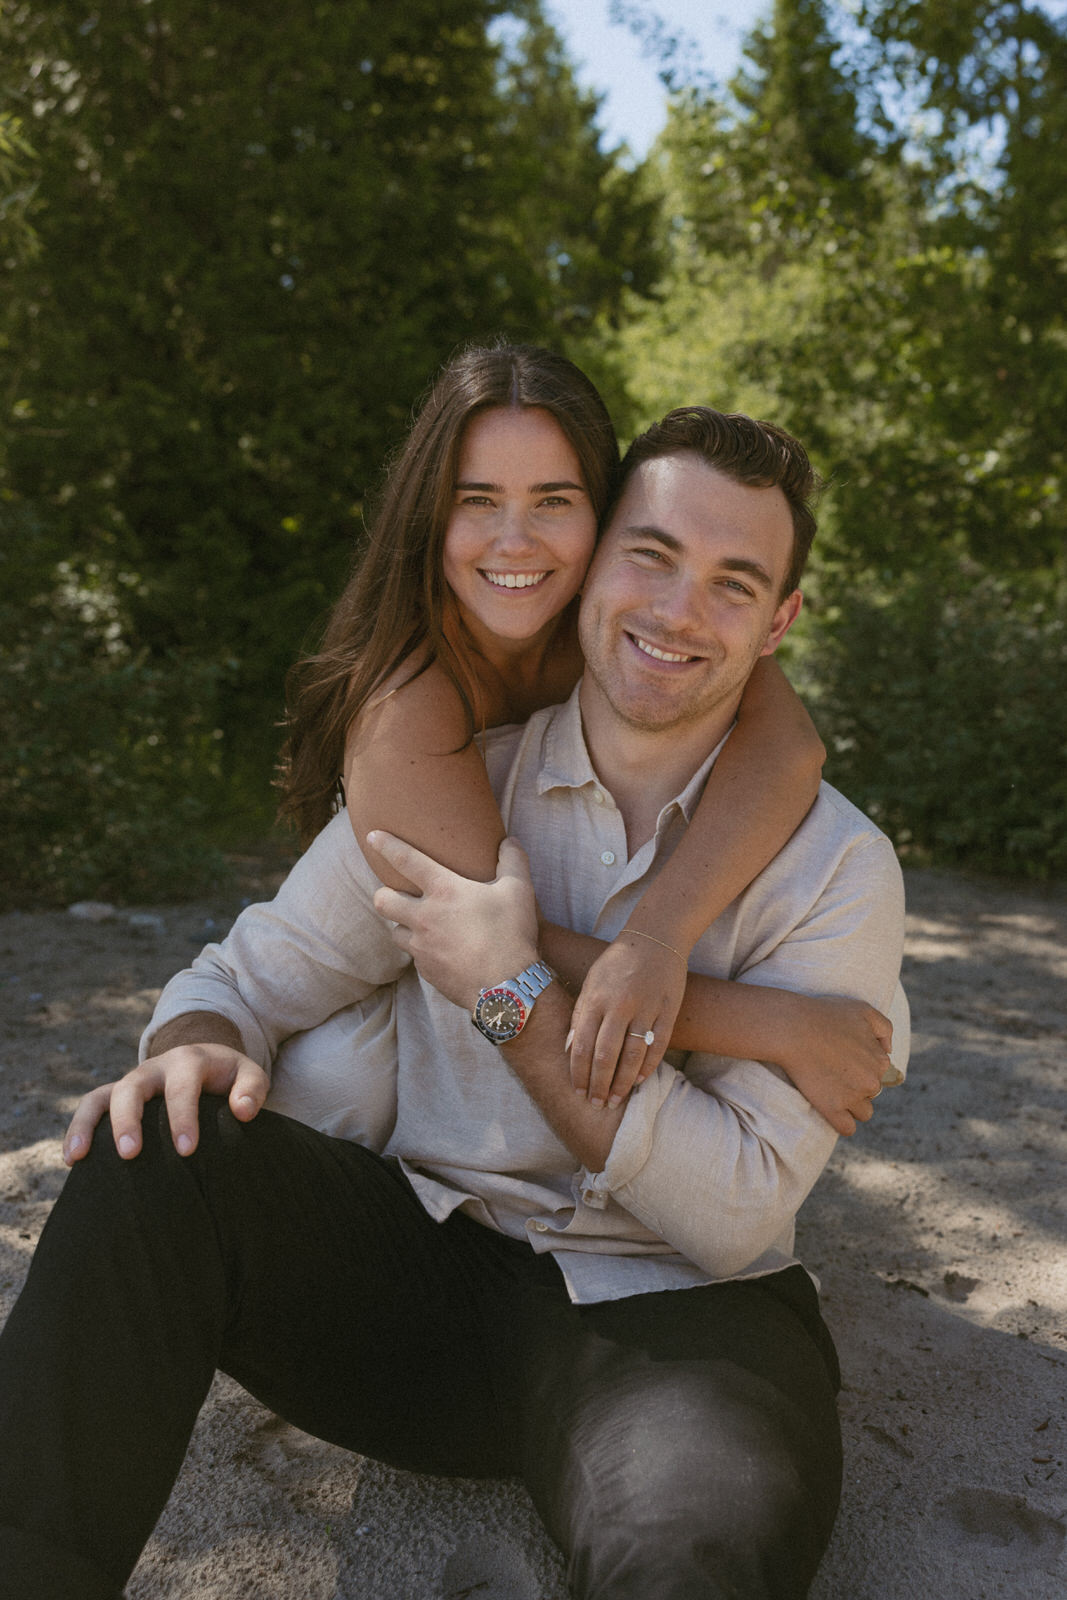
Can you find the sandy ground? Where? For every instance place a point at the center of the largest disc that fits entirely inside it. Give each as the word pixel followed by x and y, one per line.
pixel 938 1233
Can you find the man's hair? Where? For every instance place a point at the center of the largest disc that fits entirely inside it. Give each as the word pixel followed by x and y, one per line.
pixel 754 453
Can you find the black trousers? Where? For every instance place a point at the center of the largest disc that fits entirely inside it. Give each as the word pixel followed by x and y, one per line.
pixel 675 1444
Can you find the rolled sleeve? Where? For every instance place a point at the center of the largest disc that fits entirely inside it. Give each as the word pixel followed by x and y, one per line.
pixel 718 1158
pixel 288 965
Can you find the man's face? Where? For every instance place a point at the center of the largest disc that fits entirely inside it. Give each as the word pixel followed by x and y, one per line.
pixel 681 599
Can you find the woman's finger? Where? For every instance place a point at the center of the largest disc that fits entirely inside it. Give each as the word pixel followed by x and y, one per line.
pixel 610 1046
pixel 579 1045
pixel 632 1066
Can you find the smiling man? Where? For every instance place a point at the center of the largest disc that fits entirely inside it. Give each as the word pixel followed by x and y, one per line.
pixel 603 1300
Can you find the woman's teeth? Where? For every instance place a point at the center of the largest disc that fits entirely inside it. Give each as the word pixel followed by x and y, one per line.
pixel 658 655
pixel 515 580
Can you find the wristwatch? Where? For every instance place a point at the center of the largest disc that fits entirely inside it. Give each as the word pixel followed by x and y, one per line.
pixel 503 1010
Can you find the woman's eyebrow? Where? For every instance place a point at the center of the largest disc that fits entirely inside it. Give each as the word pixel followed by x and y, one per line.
pixel 535 488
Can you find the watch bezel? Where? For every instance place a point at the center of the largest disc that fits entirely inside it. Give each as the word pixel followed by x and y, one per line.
pixel 501 991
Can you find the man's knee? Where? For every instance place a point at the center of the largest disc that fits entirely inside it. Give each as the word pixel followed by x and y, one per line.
pixel 675 1485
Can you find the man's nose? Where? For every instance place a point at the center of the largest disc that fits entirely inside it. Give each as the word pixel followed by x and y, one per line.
pixel 681 605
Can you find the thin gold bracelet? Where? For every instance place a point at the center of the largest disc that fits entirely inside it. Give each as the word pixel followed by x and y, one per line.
pixel 660 942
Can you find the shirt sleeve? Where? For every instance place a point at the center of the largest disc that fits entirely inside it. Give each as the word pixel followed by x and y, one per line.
pixel 718 1158
pixel 290 963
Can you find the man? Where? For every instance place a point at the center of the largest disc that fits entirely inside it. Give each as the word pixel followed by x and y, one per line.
pixel 603 1300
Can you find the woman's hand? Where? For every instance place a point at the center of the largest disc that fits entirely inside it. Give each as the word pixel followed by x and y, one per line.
pixel 836 1052
pixel 635 987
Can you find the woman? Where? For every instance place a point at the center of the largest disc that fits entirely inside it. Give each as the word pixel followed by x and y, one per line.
pixel 460 616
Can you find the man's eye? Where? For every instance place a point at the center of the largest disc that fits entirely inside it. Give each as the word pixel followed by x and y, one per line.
pixel 737 588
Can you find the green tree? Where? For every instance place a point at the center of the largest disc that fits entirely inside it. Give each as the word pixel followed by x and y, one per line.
pixel 260 231
pixel 867 244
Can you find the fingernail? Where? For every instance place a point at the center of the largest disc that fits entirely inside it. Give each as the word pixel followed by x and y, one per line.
pixel 599 1104
pixel 246 1102
pixel 127 1144
pixel 185 1144
pixel 373 836
pixel 569 1040
pixel 73 1147
pixel 616 1100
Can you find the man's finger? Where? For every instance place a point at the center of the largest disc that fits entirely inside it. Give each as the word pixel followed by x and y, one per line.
pixel 394 905
pixel 250 1088
pixel 128 1098
pixel 88 1113
pixel 512 860
pixel 181 1090
pixel 408 861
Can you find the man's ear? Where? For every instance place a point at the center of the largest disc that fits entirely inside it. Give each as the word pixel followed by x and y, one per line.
pixel 783 620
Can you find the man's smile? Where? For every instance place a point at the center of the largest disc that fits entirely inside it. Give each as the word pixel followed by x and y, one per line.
pixel 657 652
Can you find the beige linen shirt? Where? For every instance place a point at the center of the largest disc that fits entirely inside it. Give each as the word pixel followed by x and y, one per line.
pixel 713 1156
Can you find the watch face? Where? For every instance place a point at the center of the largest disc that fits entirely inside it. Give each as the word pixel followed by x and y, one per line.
pixel 499 1014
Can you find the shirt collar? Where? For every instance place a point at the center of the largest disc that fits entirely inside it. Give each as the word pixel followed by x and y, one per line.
pixel 566 764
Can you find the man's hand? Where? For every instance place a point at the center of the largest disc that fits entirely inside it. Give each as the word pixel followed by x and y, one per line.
pixel 462 935
pixel 181 1075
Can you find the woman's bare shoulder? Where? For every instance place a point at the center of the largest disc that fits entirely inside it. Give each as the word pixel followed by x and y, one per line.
pixel 412 768
pixel 418 703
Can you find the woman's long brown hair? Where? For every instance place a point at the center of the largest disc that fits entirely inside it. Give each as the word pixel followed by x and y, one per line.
pixel 393 605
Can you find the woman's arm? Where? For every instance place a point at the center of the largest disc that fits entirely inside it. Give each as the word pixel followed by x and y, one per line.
pixel 759 791
pixel 835 1051
pixel 412 770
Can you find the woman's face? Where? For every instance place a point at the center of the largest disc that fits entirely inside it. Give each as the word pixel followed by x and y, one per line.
pixel 522 527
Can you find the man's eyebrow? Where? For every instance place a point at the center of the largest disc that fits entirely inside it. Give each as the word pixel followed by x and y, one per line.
pixel 753 569
pixel 535 488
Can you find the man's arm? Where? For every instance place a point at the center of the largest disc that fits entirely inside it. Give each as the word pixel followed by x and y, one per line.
pixel 285 967
pixel 717 1160
pixel 460 941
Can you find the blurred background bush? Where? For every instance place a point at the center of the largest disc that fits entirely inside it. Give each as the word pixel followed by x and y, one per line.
pixel 234 245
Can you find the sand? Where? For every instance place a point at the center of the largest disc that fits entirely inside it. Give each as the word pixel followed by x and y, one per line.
pixel 938 1233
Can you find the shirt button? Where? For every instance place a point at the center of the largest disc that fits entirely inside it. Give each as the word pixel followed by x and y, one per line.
pixel 540 1227
pixel 598 796
pixel 608 857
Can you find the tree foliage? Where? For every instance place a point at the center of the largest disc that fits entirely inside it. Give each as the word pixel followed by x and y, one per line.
pixel 868 243
pixel 234 244
pixel 260 232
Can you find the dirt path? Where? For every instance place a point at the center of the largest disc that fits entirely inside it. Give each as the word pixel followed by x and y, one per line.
pixel 938 1233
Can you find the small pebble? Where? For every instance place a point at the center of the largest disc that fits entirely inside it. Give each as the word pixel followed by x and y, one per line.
pixel 145 924
pixel 91 910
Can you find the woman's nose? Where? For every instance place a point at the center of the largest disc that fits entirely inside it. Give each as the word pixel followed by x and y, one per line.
pixel 513 530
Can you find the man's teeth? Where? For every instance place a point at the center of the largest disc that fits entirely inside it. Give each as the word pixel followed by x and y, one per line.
pixel 516 580
pixel 658 655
